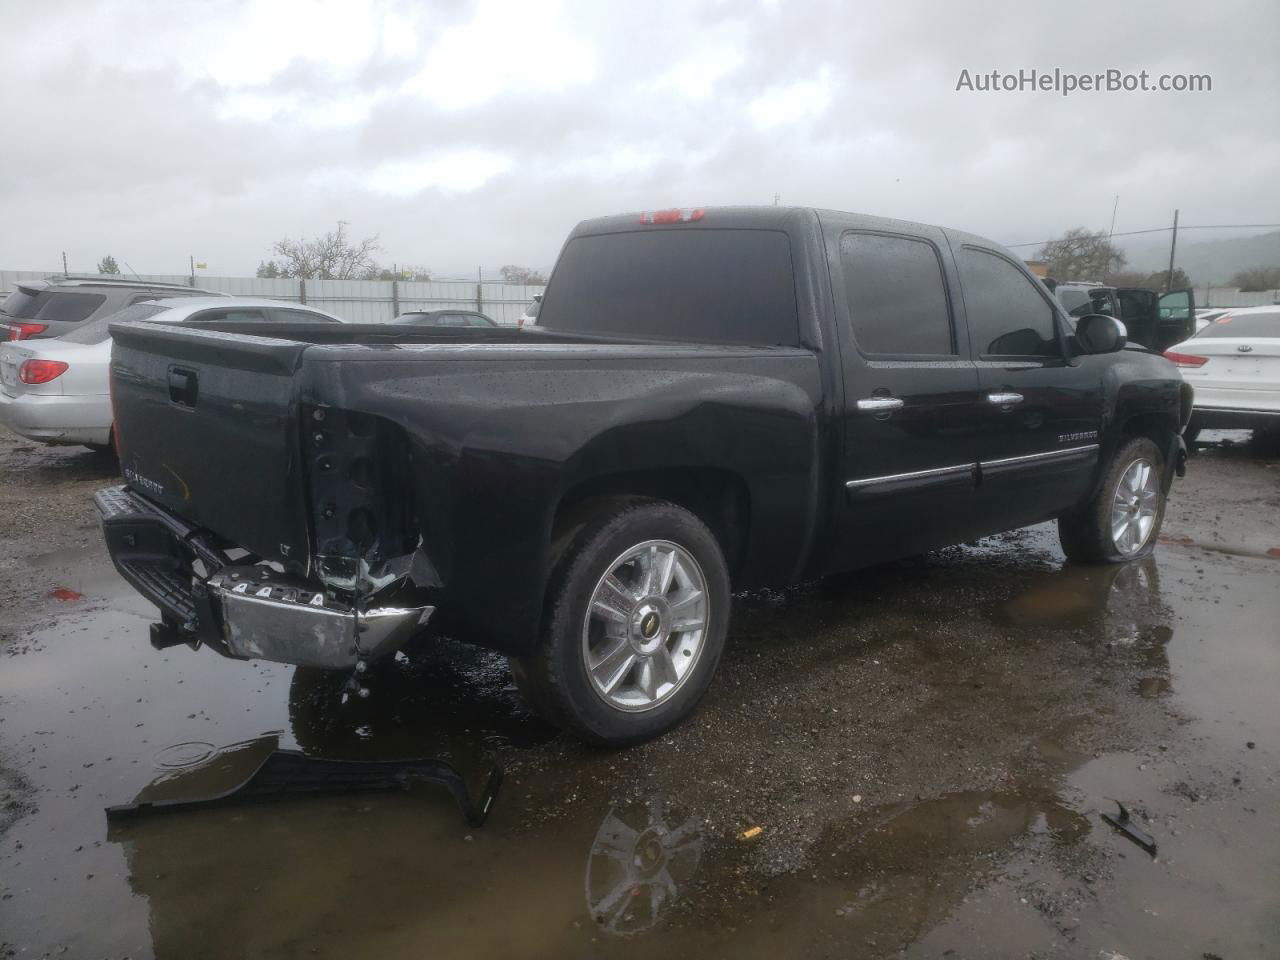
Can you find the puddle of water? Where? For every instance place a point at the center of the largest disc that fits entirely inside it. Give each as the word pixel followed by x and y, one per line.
pixel 917 744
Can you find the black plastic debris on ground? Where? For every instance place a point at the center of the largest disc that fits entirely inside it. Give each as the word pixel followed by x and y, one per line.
pixel 1123 823
pixel 259 770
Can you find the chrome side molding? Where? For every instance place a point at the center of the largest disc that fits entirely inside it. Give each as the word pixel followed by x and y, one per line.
pixel 1065 454
pixel 914 475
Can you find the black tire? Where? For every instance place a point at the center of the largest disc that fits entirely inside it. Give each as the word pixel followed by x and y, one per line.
pixel 554 677
pixel 1085 533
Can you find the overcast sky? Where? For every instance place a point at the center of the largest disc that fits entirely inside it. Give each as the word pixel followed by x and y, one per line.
pixel 468 134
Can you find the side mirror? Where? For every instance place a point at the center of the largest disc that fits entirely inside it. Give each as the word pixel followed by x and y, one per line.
pixel 1098 333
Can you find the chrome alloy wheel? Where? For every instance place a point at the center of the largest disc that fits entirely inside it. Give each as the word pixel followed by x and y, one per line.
pixel 1135 506
pixel 644 627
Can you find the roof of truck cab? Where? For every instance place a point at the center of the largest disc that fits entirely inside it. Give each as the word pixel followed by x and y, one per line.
pixel 775 218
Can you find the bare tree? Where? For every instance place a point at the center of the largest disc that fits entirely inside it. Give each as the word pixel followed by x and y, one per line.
pixel 331 256
pixel 513 274
pixel 1081 254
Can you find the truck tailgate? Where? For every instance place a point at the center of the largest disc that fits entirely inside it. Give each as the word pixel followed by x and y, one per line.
pixel 207 426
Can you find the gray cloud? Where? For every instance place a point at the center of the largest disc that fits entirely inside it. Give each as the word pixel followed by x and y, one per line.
pixel 476 135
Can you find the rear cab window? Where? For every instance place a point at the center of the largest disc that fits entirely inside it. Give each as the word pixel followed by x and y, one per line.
pixel 701 285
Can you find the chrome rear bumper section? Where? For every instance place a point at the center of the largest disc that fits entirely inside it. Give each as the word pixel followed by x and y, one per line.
pixel 269 618
pixel 244 611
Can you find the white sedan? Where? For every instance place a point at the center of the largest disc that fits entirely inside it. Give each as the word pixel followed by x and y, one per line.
pixel 1234 366
pixel 56 391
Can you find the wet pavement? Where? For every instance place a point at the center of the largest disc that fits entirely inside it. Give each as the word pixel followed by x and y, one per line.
pixel 926 749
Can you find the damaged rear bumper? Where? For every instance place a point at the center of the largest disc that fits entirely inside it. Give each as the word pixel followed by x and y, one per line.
pixel 243 610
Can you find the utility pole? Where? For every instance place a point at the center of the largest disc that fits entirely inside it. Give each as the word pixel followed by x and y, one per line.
pixel 64 264
pixel 776 198
pixel 191 259
pixel 1173 247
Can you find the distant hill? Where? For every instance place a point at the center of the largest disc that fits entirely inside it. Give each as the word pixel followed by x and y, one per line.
pixel 1205 261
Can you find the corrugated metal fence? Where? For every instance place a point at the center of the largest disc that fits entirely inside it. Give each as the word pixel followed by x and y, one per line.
pixel 360 301
pixel 1231 297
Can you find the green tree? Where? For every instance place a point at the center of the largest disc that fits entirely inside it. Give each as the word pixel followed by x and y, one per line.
pixel 108 265
pixel 268 270
pixel 514 274
pixel 1082 254
pixel 1257 279
pixel 404 273
pixel 1149 281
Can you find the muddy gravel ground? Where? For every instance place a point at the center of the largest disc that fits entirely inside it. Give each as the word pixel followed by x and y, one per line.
pixel 910 761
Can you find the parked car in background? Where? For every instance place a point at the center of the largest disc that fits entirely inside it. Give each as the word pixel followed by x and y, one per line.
pixel 56 391
pixel 712 400
pixel 43 309
pixel 445 318
pixel 530 315
pixel 1155 320
pixel 1234 366
pixel 1206 317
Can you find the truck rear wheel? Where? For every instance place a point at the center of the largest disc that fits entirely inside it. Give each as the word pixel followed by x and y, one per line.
pixel 1123 519
pixel 635 622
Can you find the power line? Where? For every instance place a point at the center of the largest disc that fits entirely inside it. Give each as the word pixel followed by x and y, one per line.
pixel 1134 233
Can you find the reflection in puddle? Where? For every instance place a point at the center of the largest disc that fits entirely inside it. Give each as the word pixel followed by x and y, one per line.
pixel 636 862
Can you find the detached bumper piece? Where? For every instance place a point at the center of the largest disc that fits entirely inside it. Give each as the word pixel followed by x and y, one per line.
pixel 245 611
pixel 258 770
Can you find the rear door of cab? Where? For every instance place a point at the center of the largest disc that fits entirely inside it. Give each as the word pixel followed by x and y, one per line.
pixel 911 408
pixel 1138 311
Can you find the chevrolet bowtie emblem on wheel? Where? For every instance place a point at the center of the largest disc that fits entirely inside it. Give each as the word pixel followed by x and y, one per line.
pixel 649 625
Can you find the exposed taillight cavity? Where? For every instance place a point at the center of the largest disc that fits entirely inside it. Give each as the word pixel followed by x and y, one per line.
pixel 20 330
pixel 1185 359
pixel 677 215
pixel 41 371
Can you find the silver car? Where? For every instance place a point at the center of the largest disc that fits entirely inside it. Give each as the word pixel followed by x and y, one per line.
pixel 56 391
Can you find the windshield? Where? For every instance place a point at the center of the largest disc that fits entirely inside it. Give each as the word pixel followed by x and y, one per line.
pixel 95 331
pixel 709 286
pixel 1264 326
pixel 51 305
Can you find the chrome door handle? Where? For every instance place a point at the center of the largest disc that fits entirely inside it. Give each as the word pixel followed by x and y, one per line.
pixel 1004 399
pixel 879 404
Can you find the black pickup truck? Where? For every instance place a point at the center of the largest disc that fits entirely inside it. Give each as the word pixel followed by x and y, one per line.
pixel 711 400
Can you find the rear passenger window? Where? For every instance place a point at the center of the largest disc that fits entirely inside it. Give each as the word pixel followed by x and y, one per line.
pixel 1007 315
pixel 897 302
pixel 300 316
pixel 231 316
